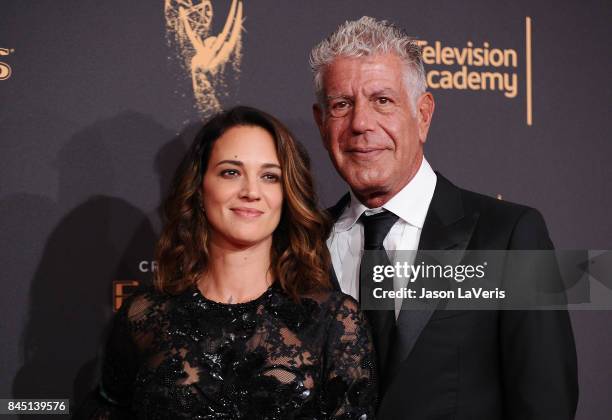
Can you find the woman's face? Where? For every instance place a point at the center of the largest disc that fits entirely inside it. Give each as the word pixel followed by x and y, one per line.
pixel 242 189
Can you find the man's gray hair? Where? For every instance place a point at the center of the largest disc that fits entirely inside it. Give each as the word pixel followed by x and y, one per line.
pixel 364 37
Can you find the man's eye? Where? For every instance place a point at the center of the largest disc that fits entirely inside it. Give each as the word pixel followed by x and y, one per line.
pixel 340 105
pixel 383 100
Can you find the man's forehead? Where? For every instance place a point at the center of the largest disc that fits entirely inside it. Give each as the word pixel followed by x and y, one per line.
pixel 373 67
pixel 368 60
pixel 370 73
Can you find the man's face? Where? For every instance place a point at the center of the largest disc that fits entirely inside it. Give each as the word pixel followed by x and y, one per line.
pixel 369 127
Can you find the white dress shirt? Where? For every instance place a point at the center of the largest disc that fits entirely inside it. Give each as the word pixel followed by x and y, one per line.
pixel 410 204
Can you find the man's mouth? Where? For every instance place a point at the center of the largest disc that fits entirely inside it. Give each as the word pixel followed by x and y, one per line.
pixel 365 152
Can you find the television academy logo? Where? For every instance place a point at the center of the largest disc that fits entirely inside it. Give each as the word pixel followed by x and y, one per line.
pixel 205 55
pixel 5 69
pixel 479 67
pixel 472 67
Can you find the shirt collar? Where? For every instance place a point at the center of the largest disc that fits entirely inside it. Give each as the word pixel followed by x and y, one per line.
pixel 410 203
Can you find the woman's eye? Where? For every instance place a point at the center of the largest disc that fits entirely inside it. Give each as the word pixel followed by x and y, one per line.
pixel 271 177
pixel 229 173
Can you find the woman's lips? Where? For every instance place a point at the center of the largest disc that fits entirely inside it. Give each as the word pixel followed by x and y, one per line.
pixel 247 212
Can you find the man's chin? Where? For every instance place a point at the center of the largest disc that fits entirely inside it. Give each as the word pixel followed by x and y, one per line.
pixel 372 193
pixel 368 184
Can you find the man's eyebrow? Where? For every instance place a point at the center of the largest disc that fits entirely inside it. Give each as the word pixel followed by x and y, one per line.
pixel 332 97
pixel 383 91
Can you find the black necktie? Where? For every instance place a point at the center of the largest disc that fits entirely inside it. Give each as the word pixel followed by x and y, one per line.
pixel 375 229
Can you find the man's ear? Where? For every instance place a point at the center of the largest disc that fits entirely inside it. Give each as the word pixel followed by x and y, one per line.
pixel 317 112
pixel 425 109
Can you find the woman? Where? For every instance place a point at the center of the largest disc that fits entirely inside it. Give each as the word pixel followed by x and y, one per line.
pixel 242 322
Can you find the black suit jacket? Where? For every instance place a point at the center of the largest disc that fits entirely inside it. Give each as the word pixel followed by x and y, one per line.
pixel 480 365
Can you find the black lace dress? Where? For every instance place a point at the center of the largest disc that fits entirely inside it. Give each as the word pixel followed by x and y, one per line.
pixel 186 357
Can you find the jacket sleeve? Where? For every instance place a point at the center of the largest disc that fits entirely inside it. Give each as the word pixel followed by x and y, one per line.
pixel 538 352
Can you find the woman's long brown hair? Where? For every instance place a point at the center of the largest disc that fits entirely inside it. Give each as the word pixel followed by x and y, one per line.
pixel 300 261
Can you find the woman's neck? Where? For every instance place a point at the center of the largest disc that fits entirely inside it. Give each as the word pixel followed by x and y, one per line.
pixel 236 274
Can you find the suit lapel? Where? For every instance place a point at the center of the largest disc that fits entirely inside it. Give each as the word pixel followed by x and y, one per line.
pixel 446 227
pixel 334 213
pixel 334 279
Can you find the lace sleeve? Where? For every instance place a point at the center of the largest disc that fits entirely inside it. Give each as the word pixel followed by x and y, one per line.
pixel 350 388
pixel 113 397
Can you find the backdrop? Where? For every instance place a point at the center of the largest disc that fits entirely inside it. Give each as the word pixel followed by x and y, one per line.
pixel 99 99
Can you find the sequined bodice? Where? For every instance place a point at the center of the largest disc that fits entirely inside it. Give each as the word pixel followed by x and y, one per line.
pixel 186 357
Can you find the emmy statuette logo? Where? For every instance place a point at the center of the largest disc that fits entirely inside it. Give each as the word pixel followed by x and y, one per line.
pixel 205 55
pixel 5 69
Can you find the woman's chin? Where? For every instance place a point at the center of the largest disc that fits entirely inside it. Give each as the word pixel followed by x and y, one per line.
pixel 244 241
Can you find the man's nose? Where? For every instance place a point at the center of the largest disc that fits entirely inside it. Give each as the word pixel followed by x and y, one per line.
pixel 362 117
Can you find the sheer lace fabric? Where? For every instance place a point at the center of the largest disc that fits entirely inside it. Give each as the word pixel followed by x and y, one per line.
pixel 186 357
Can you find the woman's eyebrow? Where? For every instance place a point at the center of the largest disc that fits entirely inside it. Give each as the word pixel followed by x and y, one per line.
pixel 240 163
pixel 231 162
pixel 271 165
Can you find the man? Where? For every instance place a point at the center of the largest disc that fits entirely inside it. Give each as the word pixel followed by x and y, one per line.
pixel 374 113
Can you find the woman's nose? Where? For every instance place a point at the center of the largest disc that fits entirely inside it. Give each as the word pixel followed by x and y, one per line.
pixel 250 189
